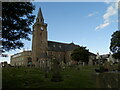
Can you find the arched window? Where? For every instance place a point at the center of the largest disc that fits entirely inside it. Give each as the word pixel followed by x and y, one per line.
pixel 37 59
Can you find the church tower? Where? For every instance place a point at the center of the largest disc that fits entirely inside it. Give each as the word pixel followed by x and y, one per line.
pixel 39 40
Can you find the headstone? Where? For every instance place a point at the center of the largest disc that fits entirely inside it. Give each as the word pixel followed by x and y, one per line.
pixel 90 62
pixel 107 65
pixel 83 63
pixel 79 66
pixel 56 76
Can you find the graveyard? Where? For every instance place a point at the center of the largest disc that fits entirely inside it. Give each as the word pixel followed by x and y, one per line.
pixel 55 61
pixel 72 77
pixel 34 78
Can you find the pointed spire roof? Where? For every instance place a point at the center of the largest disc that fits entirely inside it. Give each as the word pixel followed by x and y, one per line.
pixel 40 16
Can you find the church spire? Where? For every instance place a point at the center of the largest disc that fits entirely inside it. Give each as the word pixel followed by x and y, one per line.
pixel 40 16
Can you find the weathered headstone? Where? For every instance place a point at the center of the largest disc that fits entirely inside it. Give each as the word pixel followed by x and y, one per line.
pixel 107 65
pixel 79 65
pixel 56 76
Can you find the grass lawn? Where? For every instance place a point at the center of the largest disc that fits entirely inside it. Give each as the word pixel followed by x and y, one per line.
pixel 34 78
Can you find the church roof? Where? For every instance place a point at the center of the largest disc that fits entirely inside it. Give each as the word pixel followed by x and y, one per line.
pixel 92 54
pixel 61 47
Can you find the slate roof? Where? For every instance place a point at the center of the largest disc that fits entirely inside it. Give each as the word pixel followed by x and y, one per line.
pixel 92 54
pixel 61 47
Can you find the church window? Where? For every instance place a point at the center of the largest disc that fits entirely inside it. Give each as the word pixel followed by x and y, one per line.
pixel 53 45
pixel 60 46
pixel 41 20
pixel 36 59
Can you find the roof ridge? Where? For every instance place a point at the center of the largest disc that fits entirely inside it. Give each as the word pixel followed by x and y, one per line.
pixel 61 42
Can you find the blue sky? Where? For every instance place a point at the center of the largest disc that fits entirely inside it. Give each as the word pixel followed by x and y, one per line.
pixel 89 24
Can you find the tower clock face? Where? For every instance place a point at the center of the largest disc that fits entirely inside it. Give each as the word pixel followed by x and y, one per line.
pixel 41 28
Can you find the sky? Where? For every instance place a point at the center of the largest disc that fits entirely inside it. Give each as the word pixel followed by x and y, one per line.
pixel 89 24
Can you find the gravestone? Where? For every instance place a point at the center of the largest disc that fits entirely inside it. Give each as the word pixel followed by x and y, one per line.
pixel 56 76
pixel 107 65
pixel 79 65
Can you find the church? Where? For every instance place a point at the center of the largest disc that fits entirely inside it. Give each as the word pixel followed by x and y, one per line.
pixel 43 51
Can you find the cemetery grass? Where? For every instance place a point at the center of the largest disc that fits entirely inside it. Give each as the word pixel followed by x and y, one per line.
pixel 34 78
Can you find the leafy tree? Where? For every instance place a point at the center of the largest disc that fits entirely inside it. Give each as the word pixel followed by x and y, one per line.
pixel 80 54
pixel 16 19
pixel 115 44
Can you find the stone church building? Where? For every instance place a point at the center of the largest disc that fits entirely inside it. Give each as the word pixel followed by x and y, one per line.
pixel 43 51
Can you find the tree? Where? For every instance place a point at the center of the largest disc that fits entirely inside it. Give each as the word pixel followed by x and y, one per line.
pixel 115 44
pixel 16 20
pixel 80 54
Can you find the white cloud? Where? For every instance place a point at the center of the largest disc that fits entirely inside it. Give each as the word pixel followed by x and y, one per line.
pixel 111 11
pixel 101 26
pixel 107 1
pixel 92 14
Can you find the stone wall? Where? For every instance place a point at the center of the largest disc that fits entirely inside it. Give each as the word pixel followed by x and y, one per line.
pixel 63 57
pixel 68 57
pixel 20 59
pixel 59 55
